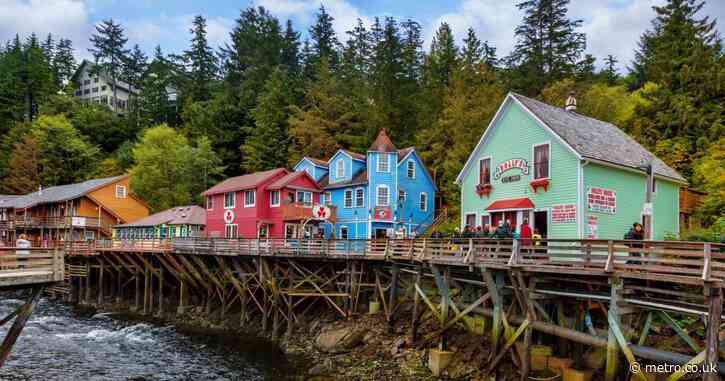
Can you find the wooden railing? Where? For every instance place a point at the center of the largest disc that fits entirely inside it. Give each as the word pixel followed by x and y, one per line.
pixel 59 222
pixel 666 260
pixel 20 266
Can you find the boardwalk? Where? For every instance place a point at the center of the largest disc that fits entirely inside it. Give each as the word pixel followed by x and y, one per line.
pixel 591 285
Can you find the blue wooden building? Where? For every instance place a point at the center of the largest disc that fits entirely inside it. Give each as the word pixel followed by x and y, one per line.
pixel 385 192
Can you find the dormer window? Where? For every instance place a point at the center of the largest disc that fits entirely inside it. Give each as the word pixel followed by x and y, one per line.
pixel 383 162
pixel 541 161
pixel 340 168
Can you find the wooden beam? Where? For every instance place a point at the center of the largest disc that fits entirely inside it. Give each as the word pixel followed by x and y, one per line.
pixel 680 332
pixel 22 317
pixel 509 343
pixel 614 328
pixel 712 337
pixel 611 370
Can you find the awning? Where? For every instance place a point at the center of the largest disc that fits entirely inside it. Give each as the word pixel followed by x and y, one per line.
pixel 513 203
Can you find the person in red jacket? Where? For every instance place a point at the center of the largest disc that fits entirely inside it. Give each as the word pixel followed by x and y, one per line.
pixel 525 233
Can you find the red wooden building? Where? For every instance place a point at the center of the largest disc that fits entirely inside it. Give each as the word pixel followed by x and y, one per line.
pixel 269 204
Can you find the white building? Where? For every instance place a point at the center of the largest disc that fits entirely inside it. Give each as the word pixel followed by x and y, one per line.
pixel 98 88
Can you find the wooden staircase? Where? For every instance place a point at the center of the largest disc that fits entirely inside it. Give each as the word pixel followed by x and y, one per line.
pixel 437 222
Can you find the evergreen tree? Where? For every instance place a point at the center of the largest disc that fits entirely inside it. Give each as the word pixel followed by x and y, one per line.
pixel 291 50
pixel 412 53
pixel 609 72
pixel 356 55
pixel 48 47
pixel 443 57
pixel 267 144
pixel 548 45
pixel 324 44
pixel 208 168
pixel 135 67
pixel 36 75
pixel 64 62
pixel 203 66
pixel 472 52
pixel 585 68
pixel 110 53
pixel 154 105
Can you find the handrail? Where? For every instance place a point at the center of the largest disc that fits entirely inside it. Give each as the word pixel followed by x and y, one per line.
pixel 692 261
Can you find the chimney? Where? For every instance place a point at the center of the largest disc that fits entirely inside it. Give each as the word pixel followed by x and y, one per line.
pixel 570 102
pixel 40 189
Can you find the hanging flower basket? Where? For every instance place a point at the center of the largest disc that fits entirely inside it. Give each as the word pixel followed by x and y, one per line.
pixel 483 190
pixel 540 183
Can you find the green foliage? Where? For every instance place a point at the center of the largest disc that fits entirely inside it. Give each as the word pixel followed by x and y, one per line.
pixel 163 174
pixel 709 173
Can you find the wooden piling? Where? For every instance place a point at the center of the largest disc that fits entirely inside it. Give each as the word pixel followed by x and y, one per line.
pixel 612 365
pixel 712 341
pixel 100 283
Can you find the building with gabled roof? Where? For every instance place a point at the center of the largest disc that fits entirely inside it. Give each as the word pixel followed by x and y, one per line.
pixel 178 222
pixel 385 191
pixel 570 175
pixel 269 204
pixel 79 211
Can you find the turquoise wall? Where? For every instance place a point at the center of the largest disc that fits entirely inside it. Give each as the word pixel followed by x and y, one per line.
pixel 515 132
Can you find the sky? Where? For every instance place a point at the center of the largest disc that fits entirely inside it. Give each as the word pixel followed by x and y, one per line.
pixel 612 26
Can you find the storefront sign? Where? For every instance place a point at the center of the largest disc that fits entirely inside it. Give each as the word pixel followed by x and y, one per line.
pixel 521 164
pixel 382 213
pixel 229 216
pixel 602 200
pixel 78 221
pixel 563 213
pixel 510 179
pixel 593 223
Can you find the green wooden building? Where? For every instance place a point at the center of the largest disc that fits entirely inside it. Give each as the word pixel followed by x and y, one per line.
pixel 572 176
pixel 177 222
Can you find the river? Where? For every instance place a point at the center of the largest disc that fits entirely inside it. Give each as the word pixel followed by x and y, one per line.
pixel 59 343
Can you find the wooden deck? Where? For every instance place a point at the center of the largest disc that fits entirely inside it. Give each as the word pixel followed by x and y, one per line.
pixel 34 266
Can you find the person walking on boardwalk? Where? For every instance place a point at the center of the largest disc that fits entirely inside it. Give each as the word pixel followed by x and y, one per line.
pixel 501 231
pixel 22 243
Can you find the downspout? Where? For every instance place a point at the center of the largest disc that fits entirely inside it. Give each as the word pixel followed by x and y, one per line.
pixel 580 198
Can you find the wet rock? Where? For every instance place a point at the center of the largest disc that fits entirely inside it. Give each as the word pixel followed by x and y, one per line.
pixel 319 370
pixel 339 340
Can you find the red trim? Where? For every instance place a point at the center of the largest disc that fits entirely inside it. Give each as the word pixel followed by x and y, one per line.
pixel 535 184
pixel 514 203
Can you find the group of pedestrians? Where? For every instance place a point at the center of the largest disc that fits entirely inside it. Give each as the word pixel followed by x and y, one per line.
pixel 503 230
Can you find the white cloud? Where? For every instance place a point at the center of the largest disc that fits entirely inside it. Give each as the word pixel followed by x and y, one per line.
pixel 173 32
pixel 611 27
pixel 62 18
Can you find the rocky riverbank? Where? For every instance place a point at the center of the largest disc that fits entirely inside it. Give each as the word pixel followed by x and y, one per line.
pixel 364 347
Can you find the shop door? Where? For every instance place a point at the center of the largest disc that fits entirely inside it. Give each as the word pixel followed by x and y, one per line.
pixel 541 223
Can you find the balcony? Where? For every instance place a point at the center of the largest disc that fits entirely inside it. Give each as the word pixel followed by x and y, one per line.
pixel 299 211
pixel 57 222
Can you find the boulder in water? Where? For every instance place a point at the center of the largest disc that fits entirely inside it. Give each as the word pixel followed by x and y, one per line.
pixel 338 340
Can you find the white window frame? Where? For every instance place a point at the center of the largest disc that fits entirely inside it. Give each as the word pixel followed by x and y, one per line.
pixel 210 202
pixel 122 189
pixel 404 194
pixel 533 160
pixel 304 197
pixel 490 167
pixel 421 197
pixel 387 162
pixel 254 198
pixel 328 198
pixel 234 200
pixel 345 198
pixel 410 168
pixel 346 234
pixel 361 198
pixel 387 195
pixel 272 194
pixel 340 168
pixel 231 228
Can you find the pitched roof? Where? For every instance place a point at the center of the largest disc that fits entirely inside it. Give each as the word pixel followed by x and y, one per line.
pixel 288 178
pixel 7 200
pixel 361 177
pixel 403 152
pixel 243 182
pixel 178 215
pixel 354 155
pixel 61 192
pixel 314 161
pixel 595 139
pixel 382 143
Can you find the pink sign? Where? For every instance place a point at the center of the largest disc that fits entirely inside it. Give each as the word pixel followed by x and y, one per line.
pixel 593 223
pixel 602 200
pixel 563 213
